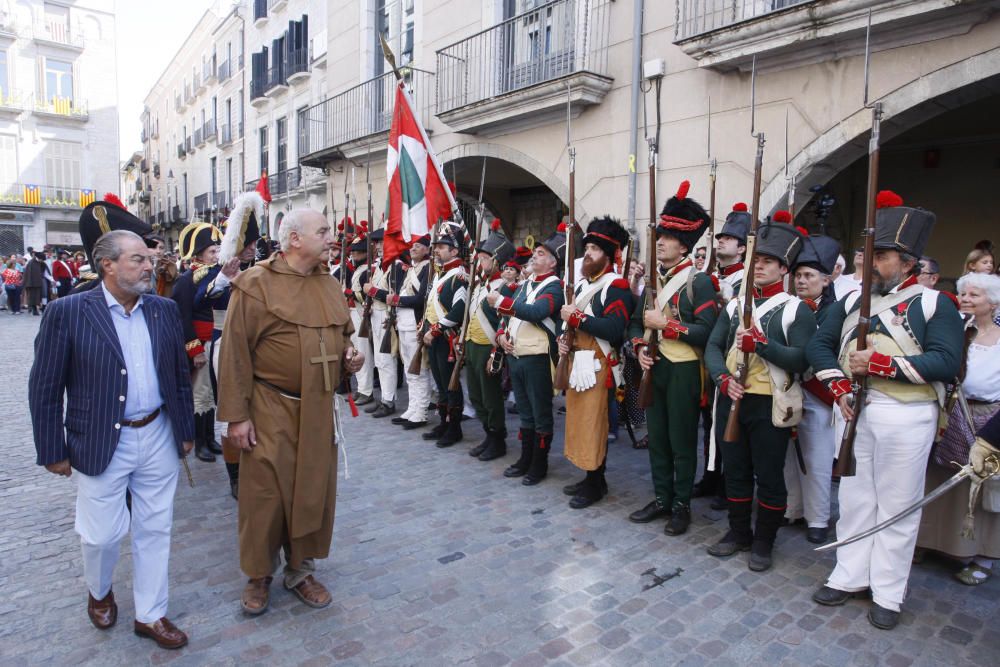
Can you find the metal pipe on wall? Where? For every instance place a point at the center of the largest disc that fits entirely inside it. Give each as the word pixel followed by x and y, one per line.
pixel 633 140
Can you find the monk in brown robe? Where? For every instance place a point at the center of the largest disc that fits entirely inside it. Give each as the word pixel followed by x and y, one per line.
pixel 285 342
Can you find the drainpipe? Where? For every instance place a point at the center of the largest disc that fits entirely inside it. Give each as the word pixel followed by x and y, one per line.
pixel 633 139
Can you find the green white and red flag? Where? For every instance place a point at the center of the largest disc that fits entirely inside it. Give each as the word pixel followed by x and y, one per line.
pixel 418 193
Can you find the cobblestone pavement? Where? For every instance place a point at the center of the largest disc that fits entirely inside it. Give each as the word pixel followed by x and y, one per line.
pixel 438 560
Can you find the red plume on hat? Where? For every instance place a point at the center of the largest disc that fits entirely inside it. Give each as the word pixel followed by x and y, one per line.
pixel 782 217
pixel 112 198
pixel 802 230
pixel 495 225
pixel 888 199
pixel 740 207
pixel 561 227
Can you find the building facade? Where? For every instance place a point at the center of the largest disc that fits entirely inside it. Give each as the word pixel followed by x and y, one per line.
pixel 496 81
pixel 58 118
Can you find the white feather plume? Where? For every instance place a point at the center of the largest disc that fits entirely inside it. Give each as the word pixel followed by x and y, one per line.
pixel 233 240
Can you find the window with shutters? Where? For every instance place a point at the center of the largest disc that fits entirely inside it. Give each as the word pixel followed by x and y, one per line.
pixel 302 118
pixel 281 138
pixel 62 169
pixel 297 47
pixel 264 154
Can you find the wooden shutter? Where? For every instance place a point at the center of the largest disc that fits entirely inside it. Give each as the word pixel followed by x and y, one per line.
pixel 40 76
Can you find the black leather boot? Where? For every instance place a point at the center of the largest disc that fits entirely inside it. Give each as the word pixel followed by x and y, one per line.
pixel 233 470
pixel 201 449
pixel 497 446
pixel 679 521
pixel 438 430
pixel 453 433
pixel 520 467
pixel 594 488
pixel 213 444
pixel 740 535
pixel 539 467
pixel 768 522
pixel 481 447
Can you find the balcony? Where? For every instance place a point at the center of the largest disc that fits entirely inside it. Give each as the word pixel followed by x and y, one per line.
pixel 199 139
pixel 259 13
pixel 181 153
pixel 188 145
pixel 62 108
pixel 59 34
pixel 175 213
pixel 208 71
pixel 144 165
pixel 349 123
pixel 156 170
pixel 201 207
pixel 515 74
pixel 13 102
pixel 297 67
pixel 725 35
pixel 188 97
pixel 179 103
pixel 276 81
pixel 45 196
pixel 209 130
pixel 225 71
pixel 220 201
pixel 197 85
pixel 283 182
pixel 225 135
pixel 257 88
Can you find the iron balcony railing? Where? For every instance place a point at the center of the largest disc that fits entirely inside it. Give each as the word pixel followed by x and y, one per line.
pixel 225 135
pixel 188 145
pixel 46 196
pixel 175 213
pixel 187 94
pixel 208 70
pixel 181 153
pixel 298 61
pixel 14 99
pixel 199 140
pixel 196 83
pixel 257 87
pixel 362 111
pixel 59 32
pixel 224 70
pixel 276 77
pixel 201 205
pixel 220 201
pixel 209 129
pixel 697 17
pixel 178 102
pixel 284 181
pixel 550 41
pixel 62 106
pixel 144 165
pixel 156 170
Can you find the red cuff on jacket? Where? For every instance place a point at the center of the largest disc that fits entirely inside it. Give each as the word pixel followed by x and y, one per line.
pixel 373 292
pixel 724 384
pixel 674 329
pixel 393 300
pixel 638 343
pixel 506 306
pixel 881 365
pixel 749 340
pixel 840 387
pixel 576 319
pixel 194 348
pixel 436 330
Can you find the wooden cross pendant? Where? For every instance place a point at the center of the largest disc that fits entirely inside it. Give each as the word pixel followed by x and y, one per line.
pixel 324 359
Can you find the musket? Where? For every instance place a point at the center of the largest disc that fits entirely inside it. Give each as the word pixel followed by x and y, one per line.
pixel 713 168
pixel 651 336
pixel 365 328
pixel 454 383
pixel 790 179
pixel 417 362
pixel 561 380
pixel 732 432
pixel 845 459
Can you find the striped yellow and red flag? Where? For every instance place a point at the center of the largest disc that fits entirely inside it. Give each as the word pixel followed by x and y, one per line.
pixel 87 197
pixel 32 195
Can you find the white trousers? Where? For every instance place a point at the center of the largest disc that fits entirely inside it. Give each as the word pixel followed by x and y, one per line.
pixel 386 363
pixel 201 388
pixel 892 445
pixel 145 461
pixel 366 376
pixel 418 386
pixel 809 494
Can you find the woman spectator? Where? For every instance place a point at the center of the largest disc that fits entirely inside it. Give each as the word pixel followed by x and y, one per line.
pixel 979 299
pixel 12 286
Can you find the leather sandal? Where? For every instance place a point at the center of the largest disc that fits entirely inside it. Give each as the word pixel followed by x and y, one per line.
pixel 256 596
pixel 312 593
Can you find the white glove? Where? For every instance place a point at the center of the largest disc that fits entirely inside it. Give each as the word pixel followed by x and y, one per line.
pixel 583 377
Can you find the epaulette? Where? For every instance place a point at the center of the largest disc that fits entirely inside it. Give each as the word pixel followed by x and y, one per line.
pixel 200 274
pixel 715 282
pixel 620 283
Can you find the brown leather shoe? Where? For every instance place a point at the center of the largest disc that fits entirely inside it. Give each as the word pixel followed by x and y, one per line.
pixel 312 593
pixel 163 632
pixel 256 596
pixel 103 613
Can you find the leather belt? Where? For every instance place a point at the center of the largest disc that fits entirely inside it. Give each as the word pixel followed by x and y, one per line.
pixel 139 423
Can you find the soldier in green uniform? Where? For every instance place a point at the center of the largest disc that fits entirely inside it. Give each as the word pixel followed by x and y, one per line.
pixel 485 391
pixel 683 315
pixel 445 310
pixel 770 399
pixel 528 336
pixel 916 343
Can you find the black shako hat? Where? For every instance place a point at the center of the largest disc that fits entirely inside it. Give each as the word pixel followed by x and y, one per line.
pixel 607 234
pixel 556 244
pixel 781 241
pixel 452 234
pixel 737 224
pixel 497 244
pixel 820 253
pixel 683 218
pixel 899 227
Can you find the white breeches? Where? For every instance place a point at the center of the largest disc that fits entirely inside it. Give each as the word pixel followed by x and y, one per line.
pixel 891 448
pixel 145 461
pixel 386 363
pixel 418 386
pixel 809 494
pixel 366 376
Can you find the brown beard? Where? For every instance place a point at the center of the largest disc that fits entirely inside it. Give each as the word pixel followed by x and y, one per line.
pixel 591 268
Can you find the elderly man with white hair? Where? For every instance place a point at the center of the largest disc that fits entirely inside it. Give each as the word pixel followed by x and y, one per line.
pixel 286 341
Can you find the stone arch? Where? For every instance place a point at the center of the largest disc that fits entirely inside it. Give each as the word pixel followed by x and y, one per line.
pixel 909 105
pixel 515 157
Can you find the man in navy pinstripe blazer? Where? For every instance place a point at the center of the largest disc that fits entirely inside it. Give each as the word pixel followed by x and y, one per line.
pixel 116 353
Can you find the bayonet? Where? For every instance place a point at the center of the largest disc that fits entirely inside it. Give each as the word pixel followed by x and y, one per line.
pixel 713 167
pixel 561 379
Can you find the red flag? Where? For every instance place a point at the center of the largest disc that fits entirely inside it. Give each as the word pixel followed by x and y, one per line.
pixel 262 189
pixel 418 196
